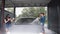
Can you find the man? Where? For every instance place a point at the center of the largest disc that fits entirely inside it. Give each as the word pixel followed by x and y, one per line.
pixel 42 21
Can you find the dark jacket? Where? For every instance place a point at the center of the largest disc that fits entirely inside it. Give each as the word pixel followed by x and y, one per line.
pixel 42 19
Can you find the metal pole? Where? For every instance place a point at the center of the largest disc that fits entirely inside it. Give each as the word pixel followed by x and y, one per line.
pixel 2 11
pixel 14 12
pixel 2 16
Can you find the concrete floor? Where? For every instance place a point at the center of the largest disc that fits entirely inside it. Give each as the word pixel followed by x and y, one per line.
pixel 28 29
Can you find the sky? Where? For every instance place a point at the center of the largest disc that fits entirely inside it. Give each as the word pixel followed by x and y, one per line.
pixel 19 11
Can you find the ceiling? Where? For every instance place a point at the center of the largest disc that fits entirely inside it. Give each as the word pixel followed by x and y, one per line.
pixel 25 3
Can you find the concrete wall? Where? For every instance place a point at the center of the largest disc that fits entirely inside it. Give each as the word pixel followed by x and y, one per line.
pixel 58 8
pixel 54 16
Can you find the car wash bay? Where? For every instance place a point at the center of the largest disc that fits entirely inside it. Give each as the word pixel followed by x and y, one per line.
pixel 53 11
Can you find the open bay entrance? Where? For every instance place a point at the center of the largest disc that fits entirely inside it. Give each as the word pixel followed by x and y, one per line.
pixel 53 7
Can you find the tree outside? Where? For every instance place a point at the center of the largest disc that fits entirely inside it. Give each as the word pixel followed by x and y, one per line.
pixel 32 12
